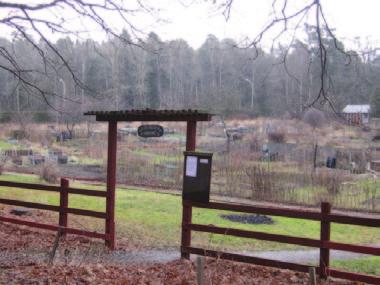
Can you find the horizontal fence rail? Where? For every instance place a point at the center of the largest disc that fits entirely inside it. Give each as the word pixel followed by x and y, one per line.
pixel 53 228
pixel 247 259
pixel 53 188
pixel 63 208
pixel 325 217
pixel 289 213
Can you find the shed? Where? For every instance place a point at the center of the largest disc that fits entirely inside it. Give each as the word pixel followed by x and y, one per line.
pixel 357 114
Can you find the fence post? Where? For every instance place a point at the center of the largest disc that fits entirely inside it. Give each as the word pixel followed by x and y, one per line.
pixel 186 233
pixel 111 184
pixel 191 134
pixel 324 253
pixel 63 204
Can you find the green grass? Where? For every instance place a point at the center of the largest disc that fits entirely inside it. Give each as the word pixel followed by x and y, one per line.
pixel 89 160
pixel 153 219
pixel 370 265
pixel 349 198
pixel 156 157
pixel 4 145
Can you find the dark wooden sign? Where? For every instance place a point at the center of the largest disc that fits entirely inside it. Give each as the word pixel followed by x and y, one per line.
pixel 150 131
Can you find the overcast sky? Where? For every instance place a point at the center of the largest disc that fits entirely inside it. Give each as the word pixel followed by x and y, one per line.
pixel 193 20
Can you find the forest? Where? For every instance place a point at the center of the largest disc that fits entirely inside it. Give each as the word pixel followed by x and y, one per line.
pixel 220 75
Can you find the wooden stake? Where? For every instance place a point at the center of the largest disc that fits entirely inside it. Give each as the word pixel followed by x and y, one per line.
pixel 200 270
pixel 312 275
pixel 55 246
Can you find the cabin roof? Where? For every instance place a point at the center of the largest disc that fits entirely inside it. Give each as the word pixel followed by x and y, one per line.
pixel 357 108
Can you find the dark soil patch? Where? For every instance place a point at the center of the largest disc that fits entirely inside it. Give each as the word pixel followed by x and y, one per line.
pixel 20 212
pixel 249 219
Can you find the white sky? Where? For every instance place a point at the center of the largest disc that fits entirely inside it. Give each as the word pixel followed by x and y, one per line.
pixel 351 18
pixel 193 20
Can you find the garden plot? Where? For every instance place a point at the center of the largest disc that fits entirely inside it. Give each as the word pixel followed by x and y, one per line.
pixel 241 167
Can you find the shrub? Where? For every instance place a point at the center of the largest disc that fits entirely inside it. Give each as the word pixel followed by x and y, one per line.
pixel 49 173
pixel 254 145
pixel 276 136
pixel 42 117
pixel 314 118
pixel 19 134
pixel 5 117
pixel 331 180
pixel 262 182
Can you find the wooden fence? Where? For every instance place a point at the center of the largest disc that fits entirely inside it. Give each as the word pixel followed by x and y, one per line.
pixel 63 209
pixel 325 217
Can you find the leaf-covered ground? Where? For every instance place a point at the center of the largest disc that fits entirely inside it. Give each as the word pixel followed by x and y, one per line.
pixel 24 259
pixel 176 272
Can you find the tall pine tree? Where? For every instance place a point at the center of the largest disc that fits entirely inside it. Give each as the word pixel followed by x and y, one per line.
pixel 376 103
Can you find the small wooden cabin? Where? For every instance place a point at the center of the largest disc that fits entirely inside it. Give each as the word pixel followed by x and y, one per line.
pixel 357 114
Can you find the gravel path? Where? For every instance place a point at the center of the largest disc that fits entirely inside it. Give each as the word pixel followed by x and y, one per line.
pixel 164 256
pixel 304 256
pixel 152 256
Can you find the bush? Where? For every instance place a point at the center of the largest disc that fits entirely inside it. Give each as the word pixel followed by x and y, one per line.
pixel 49 173
pixel 314 118
pixel 277 137
pixel 331 180
pixel 5 117
pixel 19 134
pixel 262 182
pixel 42 117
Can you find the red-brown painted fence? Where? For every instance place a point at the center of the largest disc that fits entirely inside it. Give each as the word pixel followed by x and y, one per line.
pixel 63 209
pixel 325 217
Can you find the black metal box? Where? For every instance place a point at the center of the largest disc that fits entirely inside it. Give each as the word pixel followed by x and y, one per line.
pixel 197 176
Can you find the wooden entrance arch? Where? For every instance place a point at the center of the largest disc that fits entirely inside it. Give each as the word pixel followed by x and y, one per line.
pixel 191 117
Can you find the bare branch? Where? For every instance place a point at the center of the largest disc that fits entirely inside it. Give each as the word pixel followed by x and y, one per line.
pixel 27 20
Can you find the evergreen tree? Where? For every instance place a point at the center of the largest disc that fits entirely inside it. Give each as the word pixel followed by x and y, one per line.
pixel 376 103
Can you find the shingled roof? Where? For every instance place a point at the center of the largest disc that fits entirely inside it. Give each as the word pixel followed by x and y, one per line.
pixel 150 115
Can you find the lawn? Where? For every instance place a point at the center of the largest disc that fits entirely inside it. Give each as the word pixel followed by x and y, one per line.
pixel 155 218
pixel 4 145
pixel 369 265
pixel 152 219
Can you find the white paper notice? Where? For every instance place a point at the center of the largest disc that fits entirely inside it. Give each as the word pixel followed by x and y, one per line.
pixel 191 166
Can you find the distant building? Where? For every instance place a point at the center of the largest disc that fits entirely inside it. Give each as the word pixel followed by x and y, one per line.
pixel 357 114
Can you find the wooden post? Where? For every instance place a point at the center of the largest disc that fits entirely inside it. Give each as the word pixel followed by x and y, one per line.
pixel 313 279
pixel 324 253
pixel 111 184
pixel 200 270
pixel 315 156
pixel 63 204
pixel 191 132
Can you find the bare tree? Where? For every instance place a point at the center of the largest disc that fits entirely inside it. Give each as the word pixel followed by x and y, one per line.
pixel 39 22
pixel 285 20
